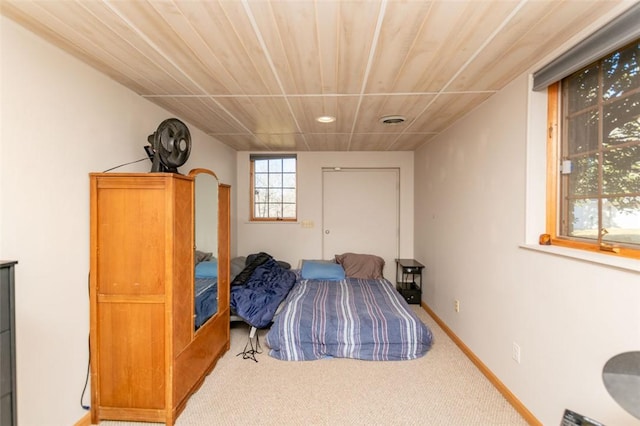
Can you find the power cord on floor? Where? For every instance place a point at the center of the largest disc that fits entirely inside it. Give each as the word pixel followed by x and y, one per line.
pixel 250 350
pixel 86 380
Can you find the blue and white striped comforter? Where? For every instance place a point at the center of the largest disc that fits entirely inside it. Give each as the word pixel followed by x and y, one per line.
pixel 351 318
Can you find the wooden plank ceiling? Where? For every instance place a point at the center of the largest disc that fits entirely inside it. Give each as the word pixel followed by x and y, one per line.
pixel 255 74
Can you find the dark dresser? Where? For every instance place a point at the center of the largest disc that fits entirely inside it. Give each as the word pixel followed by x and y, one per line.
pixel 8 412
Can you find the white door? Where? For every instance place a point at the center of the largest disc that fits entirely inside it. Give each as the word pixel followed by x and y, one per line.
pixel 360 214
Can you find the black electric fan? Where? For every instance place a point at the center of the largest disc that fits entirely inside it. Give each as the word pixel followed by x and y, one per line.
pixel 170 146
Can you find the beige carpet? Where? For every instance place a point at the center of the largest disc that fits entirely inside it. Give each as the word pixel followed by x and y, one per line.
pixel 441 388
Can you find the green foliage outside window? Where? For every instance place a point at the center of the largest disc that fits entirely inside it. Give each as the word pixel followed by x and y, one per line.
pixel 600 186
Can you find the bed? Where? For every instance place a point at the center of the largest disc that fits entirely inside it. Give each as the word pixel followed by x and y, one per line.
pixel 206 303
pixel 346 310
pixel 206 288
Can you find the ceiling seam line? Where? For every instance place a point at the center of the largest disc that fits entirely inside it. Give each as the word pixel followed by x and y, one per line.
pixel 197 34
pixel 154 46
pixel 263 44
pixel 486 42
pixel 244 46
pixel 372 50
pixel 413 43
pixel 122 38
pixel 319 95
pixel 157 49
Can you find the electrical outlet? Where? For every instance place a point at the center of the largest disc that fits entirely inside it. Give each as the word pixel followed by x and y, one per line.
pixel 456 305
pixel 515 354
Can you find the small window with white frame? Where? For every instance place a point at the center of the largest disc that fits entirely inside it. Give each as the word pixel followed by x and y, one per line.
pixel 273 187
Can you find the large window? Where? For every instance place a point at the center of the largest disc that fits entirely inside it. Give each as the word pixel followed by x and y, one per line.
pixel 594 155
pixel 273 187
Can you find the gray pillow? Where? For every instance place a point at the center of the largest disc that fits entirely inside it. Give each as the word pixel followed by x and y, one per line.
pixel 237 265
pixel 201 256
pixel 365 266
pixel 282 263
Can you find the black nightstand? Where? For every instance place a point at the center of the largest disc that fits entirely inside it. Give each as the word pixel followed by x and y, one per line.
pixel 409 279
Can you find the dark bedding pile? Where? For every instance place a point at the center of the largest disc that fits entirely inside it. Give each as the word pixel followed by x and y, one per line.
pixel 259 288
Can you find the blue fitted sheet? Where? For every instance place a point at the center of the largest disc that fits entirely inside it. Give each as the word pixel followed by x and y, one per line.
pixel 206 303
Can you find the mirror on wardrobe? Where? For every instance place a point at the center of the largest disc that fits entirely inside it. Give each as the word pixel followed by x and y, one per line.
pixel 206 241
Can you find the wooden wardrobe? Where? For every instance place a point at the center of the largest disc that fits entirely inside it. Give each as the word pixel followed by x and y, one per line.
pixel 146 356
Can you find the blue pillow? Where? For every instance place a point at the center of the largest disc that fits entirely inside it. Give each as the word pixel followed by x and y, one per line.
pixel 207 269
pixel 317 270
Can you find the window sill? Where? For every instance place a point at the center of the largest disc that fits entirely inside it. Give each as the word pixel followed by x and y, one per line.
pixel 623 263
pixel 272 222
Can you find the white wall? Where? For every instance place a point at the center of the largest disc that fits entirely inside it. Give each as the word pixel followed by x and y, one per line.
pixel 569 316
pixel 290 241
pixel 60 121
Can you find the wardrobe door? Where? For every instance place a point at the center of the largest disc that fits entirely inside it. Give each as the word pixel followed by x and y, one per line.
pixel 141 292
pixel 130 280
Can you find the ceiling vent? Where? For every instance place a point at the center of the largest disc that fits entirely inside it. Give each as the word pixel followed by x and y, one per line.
pixel 392 120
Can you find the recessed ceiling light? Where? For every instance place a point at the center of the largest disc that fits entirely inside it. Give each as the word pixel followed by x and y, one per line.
pixel 392 119
pixel 325 119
